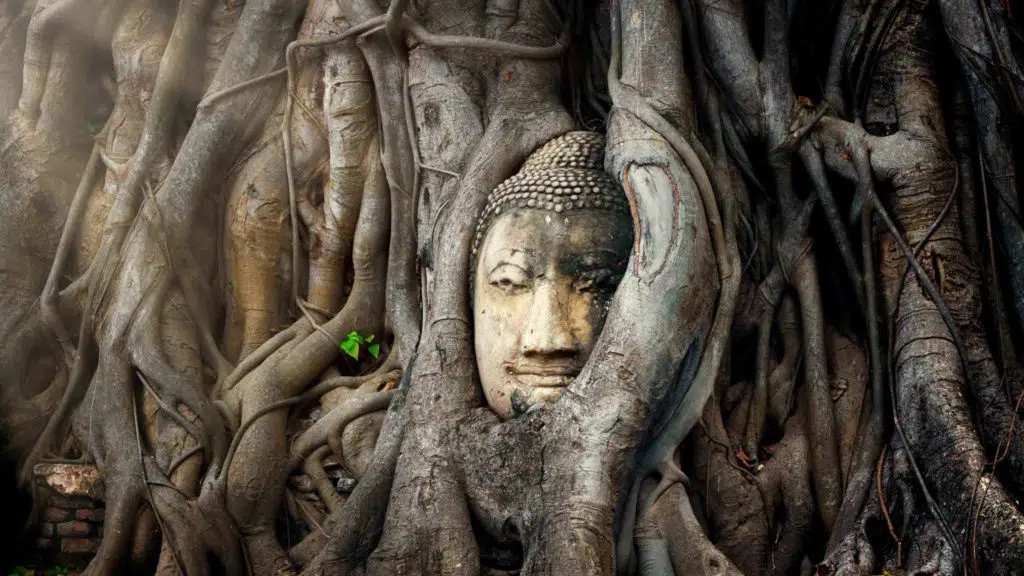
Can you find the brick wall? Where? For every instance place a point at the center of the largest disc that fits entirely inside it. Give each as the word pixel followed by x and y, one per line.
pixel 71 522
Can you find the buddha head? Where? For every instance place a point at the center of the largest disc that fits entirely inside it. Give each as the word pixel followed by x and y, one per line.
pixel 551 246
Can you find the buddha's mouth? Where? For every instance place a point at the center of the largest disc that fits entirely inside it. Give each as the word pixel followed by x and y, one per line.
pixel 543 375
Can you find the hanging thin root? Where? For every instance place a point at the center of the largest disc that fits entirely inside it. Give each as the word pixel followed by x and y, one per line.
pixel 759 402
pixel 200 436
pixel 48 306
pixel 258 356
pixel 179 390
pixel 825 470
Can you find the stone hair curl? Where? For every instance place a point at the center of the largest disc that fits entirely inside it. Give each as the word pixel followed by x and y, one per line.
pixel 567 173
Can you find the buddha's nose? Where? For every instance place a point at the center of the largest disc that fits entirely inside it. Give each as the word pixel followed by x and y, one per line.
pixel 548 331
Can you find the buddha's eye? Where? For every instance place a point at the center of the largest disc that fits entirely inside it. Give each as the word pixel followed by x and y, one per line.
pixel 509 278
pixel 599 280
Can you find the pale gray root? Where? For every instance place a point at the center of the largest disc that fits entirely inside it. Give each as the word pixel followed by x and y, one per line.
pixel 670 541
pixel 244 209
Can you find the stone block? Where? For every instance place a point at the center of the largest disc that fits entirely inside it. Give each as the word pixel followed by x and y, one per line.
pixel 46 544
pixel 47 529
pixel 53 514
pixel 75 528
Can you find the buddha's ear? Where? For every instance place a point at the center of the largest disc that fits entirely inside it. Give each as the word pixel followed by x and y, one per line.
pixel 668 309
pixel 667 299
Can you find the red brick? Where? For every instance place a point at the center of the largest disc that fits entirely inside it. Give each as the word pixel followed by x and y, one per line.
pixel 80 545
pixel 45 544
pixel 93 515
pixel 51 514
pixel 47 529
pixel 74 528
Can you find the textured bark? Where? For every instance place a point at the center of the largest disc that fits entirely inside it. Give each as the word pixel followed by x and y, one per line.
pixel 202 204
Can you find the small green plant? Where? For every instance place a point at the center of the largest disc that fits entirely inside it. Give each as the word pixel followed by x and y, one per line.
pixel 93 126
pixel 354 341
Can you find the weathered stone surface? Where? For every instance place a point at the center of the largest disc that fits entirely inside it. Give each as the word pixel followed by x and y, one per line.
pixel 45 543
pixel 74 528
pixel 54 514
pixel 71 479
pixel 47 529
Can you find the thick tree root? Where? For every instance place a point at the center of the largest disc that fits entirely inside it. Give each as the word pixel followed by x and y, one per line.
pixel 262 188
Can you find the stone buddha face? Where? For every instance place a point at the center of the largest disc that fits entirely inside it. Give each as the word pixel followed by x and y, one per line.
pixel 551 248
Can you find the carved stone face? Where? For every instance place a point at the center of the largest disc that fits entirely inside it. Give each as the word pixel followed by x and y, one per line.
pixel 540 295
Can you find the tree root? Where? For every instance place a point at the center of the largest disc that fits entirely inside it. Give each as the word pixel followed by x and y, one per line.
pixel 328 429
pixel 37 55
pixel 670 541
pixel 418 116
pixel 269 348
pixel 48 308
pixel 726 254
pixel 313 467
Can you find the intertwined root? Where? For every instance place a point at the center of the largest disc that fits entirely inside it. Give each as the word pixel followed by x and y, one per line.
pixel 211 228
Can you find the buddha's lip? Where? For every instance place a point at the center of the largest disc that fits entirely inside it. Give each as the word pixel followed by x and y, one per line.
pixel 547 376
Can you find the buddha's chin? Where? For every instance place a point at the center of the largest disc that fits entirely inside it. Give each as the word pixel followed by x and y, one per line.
pixel 546 394
pixel 524 399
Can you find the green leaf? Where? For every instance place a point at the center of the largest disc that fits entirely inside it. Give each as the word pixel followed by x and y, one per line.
pixel 370 338
pixel 374 349
pixel 351 347
pixel 355 337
